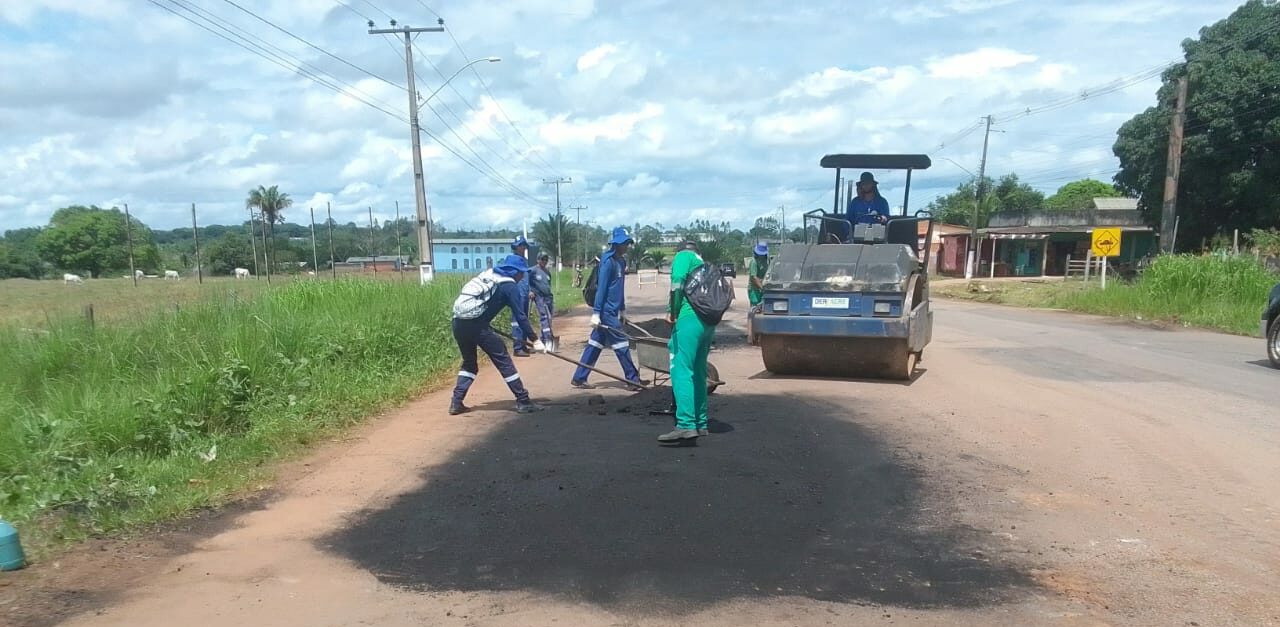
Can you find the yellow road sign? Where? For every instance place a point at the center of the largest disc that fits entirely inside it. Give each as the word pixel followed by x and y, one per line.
pixel 1106 242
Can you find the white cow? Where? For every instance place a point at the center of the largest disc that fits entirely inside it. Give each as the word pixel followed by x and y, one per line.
pixel 72 278
pixel 242 273
pixel 137 274
pixel 172 274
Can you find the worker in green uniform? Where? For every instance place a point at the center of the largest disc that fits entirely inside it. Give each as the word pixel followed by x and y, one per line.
pixel 689 346
pixel 755 285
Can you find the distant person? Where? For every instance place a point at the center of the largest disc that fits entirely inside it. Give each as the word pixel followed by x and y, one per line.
pixel 520 246
pixel 481 300
pixel 607 312
pixel 543 297
pixel 689 346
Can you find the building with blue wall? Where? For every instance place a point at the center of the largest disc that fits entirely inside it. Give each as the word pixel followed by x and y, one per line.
pixel 471 255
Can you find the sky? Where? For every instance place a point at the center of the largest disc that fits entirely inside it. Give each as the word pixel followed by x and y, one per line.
pixel 657 111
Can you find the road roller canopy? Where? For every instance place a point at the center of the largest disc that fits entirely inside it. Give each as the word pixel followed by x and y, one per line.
pixel 877 162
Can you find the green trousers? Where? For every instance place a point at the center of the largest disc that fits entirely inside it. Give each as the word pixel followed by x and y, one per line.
pixel 690 343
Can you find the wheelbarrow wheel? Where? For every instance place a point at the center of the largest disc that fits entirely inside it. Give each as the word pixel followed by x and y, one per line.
pixel 713 375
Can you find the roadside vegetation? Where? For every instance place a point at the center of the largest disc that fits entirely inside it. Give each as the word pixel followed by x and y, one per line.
pixel 1221 292
pixel 144 419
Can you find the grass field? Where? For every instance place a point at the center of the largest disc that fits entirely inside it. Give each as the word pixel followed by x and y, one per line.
pixel 154 412
pixel 1224 294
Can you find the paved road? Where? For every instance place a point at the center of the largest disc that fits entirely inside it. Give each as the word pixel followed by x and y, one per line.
pixel 1044 468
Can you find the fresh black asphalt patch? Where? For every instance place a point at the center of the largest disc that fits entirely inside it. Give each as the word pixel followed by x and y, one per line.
pixel 791 498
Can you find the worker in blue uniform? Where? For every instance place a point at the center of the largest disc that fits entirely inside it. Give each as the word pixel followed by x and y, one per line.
pixel 607 313
pixel 473 333
pixel 520 246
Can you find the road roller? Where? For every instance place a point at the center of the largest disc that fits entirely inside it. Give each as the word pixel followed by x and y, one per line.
pixel 852 301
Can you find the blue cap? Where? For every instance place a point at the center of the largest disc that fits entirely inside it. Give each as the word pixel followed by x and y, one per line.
pixel 762 249
pixel 511 265
pixel 518 242
pixel 620 236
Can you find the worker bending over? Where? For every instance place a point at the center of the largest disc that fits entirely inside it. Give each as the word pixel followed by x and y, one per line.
pixel 480 301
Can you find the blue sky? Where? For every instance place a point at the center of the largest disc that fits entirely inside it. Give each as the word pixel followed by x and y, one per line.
pixel 659 111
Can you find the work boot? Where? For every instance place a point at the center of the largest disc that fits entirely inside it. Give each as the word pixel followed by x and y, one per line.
pixel 582 385
pixel 635 386
pixel 458 408
pixel 704 431
pixel 678 435
pixel 527 407
pixel 520 353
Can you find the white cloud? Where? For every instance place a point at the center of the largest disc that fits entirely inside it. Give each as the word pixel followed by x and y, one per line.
pixel 593 57
pixel 978 63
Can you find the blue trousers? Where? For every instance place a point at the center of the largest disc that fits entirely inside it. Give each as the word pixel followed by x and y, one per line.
pixel 600 338
pixel 545 305
pixel 471 335
pixel 516 332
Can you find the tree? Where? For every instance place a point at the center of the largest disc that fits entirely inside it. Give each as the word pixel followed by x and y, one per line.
pixel 1230 174
pixel 227 253
pixel 271 202
pixel 1007 194
pixel 545 235
pixel 766 228
pixel 18 255
pixel 1079 195
pixel 658 258
pixel 94 240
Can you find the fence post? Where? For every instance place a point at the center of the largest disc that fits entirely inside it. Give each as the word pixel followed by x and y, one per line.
pixel 88 314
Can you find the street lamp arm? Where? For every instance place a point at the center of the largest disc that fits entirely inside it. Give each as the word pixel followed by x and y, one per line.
pixel 455 75
pixel 966 170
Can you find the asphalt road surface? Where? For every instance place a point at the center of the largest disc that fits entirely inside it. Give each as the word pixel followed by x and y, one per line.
pixel 1042 469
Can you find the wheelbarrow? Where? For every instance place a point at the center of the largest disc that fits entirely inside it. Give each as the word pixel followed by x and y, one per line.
pixel 651 352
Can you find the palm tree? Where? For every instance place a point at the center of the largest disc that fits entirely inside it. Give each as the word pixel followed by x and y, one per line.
pixel 271 203
pixel 549 237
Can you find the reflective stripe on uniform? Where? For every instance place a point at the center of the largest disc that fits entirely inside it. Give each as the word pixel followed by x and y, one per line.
pixel 595 343
pixel 621 345
pixel 464 373
pixel 514 377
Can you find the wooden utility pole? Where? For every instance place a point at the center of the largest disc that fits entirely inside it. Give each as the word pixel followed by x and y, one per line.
pixel 399 254
pixel 128 231
pixel 253 242
pixel 195 236
pixel 315 258
pixel 1173 167
pixel 328 209
pixel 971 268
pixel 372 255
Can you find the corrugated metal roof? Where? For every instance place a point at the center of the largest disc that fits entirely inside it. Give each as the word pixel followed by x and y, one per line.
pixel 1116 204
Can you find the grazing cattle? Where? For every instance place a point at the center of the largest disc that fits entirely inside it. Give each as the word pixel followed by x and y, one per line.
pixel 172 274
pixel 138 274
pixel 311 272
pixel 72 278
pixel 242 273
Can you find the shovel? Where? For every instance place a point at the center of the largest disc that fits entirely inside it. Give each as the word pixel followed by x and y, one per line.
pixel 578 363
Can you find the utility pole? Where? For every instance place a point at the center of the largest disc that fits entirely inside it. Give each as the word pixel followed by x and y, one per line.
pixel 578 225
pixel 253 242
pixel 399 257
pixel 559 250
pixel 128 233
pixel 372 249
pixel 973 227
pixel 315 258
pixel 328 208
pixel 195 236
pixel 425 257
pixel 1173 167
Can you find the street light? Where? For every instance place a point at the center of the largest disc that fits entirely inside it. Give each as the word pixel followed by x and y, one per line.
pixel 425 256
pixel 455 75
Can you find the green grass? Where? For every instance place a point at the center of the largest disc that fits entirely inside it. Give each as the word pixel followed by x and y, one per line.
pixel 1221 293
pixel 116 426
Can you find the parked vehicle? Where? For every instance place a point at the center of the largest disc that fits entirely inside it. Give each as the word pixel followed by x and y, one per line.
pixel 1271 326
pixel 727 269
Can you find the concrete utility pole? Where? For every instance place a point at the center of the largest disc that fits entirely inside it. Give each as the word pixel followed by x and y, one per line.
pixel 578 222
pixel 1173 167
pixel 128 233
pixel 315 257
pixel 328 209
pixel 253 242
pixel 373 255
pixel 425 258
pixel 559 248
pixel 977 205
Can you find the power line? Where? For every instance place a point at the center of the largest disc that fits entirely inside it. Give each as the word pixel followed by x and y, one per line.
pixel 313 46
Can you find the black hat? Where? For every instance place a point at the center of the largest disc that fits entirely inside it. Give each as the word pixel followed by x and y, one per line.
pixel 867 177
